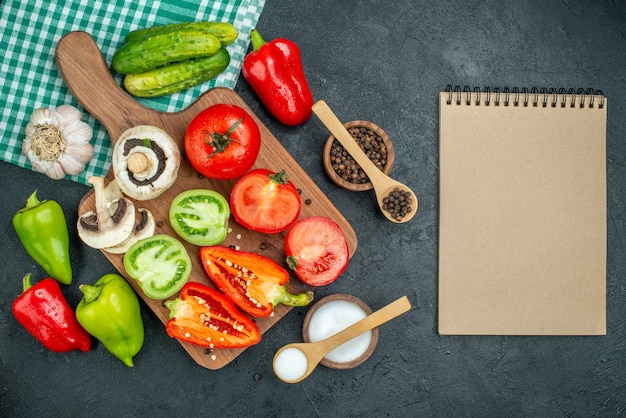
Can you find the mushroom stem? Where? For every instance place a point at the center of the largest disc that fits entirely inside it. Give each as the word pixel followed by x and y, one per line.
pixel 139 163
pixel 102 210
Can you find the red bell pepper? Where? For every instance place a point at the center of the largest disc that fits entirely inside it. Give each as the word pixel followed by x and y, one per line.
pixel 44 312
pixel 274 71
pixel 205 317
pixel 254 282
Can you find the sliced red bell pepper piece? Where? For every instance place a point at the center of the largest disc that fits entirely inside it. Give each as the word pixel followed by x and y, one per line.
pixel 44 312
pixel 254 282
pixel 205 317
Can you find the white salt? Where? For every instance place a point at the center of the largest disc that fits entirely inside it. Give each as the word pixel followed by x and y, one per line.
pixel 333 317
pixel 290 364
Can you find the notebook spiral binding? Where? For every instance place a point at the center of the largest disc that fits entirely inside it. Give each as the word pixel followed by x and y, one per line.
pixel 533 97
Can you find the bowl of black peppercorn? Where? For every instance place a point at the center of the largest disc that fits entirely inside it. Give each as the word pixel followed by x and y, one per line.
pixel 341 167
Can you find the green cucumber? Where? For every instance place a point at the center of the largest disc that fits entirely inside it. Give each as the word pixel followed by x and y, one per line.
pixel 177 76
pixel 162 49
pixel 224 31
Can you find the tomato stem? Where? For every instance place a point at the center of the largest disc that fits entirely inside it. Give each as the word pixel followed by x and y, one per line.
pixel 221 141
pixel 292 262
pixel 280 177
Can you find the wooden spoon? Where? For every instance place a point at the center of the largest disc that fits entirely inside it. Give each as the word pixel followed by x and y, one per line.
pixel 315 352
pixel 383 184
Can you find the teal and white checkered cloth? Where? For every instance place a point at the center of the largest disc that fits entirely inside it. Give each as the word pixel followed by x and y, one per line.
pixel 29 77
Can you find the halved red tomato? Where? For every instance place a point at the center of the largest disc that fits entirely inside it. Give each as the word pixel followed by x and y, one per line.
pixel 317 250
pixel 265 201
pixel 222 141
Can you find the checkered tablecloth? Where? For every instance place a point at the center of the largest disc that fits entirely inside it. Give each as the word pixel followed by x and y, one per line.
pixel 29 77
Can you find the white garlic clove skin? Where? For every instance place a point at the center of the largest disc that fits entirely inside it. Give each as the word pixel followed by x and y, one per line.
pixel 40 117
pixel 75 157
pixel 71 124
pixel 67 114
pixel 77 133
pixel 38 164
pixel 55 171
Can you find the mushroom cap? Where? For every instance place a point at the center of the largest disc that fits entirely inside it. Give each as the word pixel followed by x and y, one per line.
pixel 145 162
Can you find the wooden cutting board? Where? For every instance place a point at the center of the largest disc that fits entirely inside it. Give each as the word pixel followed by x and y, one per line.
pixel 88 77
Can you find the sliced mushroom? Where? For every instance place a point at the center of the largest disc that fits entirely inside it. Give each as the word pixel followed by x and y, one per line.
pixel 144 229
pixel 113 220
pixel 145 162
pixel 112 193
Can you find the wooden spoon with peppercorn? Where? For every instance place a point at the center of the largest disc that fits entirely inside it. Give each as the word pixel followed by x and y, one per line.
pixel 397 202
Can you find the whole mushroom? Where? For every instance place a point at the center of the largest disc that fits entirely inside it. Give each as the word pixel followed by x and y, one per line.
pixel 145 162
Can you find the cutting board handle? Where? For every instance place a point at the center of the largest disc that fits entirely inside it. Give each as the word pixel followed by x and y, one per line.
pixel 88 77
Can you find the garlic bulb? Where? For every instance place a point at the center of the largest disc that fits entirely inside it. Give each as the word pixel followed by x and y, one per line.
pixel 57 141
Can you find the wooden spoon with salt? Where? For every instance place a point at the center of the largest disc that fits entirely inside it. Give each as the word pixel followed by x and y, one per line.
pixel 311 354
pixel 383 184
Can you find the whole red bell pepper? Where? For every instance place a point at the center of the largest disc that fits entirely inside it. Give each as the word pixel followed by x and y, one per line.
pixel 44 312
pixel 205 317
pixel 254 282
pixel 274 71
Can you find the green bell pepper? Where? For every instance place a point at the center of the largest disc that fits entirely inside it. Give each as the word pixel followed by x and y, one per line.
pixel 109 310
pixel 42 229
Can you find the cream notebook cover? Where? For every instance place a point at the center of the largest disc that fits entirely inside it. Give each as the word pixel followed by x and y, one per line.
pixel 522 236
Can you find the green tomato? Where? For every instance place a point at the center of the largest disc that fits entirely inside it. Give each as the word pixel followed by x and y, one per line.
pixel 200 216
pixel 160 265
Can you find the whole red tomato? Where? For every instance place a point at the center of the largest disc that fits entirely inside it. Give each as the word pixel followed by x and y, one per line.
pixel 222 142
pixel 265 201
pixel 317 250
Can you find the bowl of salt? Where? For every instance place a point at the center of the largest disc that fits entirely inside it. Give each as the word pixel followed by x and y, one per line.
pixel 333 314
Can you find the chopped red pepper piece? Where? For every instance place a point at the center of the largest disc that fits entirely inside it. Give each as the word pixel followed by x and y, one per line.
pixel 254 282
pixel 205 317
pixel 44 312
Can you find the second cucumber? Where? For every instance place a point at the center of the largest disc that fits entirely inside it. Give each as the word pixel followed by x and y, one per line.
pixel 174 77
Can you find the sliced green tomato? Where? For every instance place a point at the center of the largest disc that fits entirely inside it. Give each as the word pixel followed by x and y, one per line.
pixel 160 265
pixel 200 216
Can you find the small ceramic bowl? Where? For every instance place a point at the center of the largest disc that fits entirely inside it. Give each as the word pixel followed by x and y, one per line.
pixel 336 178
pixel 329 316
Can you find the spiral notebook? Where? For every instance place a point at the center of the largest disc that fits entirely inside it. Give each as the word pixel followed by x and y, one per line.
pixel 522 238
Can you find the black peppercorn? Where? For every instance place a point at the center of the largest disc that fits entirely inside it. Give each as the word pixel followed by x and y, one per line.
pixel 371 144
pixel 398 203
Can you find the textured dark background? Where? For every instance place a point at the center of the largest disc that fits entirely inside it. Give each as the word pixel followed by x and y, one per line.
pixel 384 61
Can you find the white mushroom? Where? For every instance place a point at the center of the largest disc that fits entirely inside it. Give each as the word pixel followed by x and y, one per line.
pixel 145 162
pixel 114 218
pixel 144 229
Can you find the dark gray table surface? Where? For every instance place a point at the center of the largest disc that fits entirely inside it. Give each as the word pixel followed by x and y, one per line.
pixel 384 61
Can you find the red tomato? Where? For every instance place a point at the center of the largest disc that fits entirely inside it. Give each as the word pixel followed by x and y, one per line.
pixel 265 201
pixel 222 142
pixel 317 250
